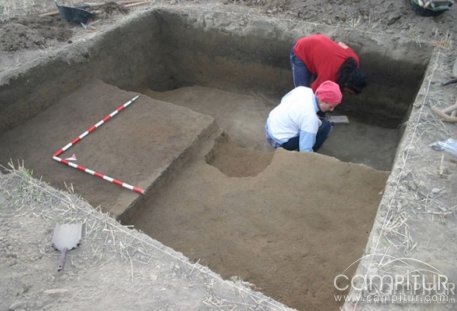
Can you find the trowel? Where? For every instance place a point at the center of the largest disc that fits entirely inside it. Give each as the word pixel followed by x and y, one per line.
pixel 66 237
pixel 338 119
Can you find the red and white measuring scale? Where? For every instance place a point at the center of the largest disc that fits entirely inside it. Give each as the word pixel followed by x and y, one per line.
pixel 87 132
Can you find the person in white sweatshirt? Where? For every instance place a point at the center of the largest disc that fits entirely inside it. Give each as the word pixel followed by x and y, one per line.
pixel 294 123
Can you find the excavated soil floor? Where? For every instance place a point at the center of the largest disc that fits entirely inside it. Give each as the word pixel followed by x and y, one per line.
pixel 281 230
pixel 264 217
pixel 234 204
pixel 242 117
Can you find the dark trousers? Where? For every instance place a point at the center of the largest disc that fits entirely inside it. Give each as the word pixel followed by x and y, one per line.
pixel 322 133
pixel 300 73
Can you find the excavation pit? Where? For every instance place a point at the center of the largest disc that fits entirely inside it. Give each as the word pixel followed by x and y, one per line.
pixel 215 191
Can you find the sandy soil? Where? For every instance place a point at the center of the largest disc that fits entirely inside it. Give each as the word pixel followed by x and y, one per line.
pixel 284 212
pixel 175 128
pixel 280 230
pixel 236 161
pixel 242 117
pixel 268 218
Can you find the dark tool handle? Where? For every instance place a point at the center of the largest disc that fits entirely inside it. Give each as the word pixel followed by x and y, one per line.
pixel 62 258
pixel 449 82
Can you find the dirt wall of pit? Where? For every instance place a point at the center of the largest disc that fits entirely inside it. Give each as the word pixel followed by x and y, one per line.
pixel 227 50
pixel 165 49
pixel 415 217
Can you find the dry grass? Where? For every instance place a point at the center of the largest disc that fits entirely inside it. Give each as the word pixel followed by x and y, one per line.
pixel 445 41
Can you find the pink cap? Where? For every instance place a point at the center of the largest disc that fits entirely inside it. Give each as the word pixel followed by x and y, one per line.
pixel 329 92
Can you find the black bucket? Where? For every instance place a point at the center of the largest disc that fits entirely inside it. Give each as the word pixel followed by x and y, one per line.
pixel 432 11
pixel 74 15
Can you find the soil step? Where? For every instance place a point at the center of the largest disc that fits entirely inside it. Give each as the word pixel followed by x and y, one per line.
pixel 241 116
pixel 138 146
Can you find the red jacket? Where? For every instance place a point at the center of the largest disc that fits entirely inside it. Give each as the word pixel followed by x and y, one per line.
pixel 322 56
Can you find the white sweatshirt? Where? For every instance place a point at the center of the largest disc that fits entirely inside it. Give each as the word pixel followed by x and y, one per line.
pixel 295 116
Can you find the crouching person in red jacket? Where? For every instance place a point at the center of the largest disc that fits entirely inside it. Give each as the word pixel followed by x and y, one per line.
pixel 317 58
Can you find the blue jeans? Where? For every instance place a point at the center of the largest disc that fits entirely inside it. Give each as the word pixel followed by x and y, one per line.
pixel 322 133
pixel 301 75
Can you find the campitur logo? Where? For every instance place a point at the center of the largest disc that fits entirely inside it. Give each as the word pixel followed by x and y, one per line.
pixel 387 279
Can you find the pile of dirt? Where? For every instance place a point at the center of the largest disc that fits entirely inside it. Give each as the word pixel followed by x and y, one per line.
pixel 111 8
pixel 39 32
pixel 32 32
